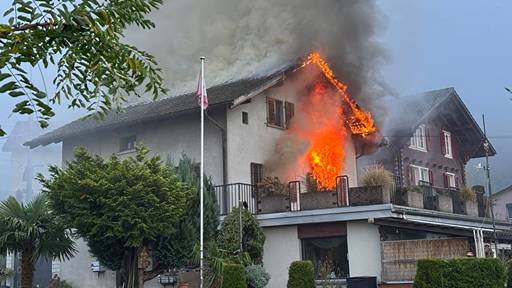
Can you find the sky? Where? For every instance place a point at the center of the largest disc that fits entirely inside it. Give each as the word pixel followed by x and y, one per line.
pixel 432 44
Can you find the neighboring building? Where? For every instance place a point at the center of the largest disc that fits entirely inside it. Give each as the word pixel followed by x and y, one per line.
pixel 503 204
pixel 346 230
pixel 24 165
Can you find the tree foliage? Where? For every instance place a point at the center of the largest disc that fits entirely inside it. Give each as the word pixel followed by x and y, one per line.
pixel 33 231
pixel 253 238
pixel 180 251
pixel 95 70
pixel 121 208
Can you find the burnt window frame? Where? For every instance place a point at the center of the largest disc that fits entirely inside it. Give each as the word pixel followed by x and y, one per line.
pixel 124 143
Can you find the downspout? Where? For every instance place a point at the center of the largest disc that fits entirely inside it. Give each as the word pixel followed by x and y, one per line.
pixel 224 148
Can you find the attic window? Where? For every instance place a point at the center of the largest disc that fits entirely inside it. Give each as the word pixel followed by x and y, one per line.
pixel 127 143
pixel 419 139
pixel 279 113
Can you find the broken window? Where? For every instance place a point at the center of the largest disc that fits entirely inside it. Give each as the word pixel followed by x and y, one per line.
pixel 256 173
pixel 279 113
pixel 127 143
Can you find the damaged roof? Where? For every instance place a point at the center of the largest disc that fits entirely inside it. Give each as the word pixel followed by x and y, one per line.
pixel 218 95
pixel 443 105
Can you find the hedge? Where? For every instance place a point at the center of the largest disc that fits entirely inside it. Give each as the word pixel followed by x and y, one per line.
pixel 461 273
pixel 301 275
pixel 233 276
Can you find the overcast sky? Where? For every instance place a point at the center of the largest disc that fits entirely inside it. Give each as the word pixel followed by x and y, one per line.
pixel 432 44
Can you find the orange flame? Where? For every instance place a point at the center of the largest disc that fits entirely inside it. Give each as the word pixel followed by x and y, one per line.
pixel 360 122
pixel 326 154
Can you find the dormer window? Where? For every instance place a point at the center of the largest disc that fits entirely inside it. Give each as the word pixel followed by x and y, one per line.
pixel 419 139
pixel 127 143
pixel 446 144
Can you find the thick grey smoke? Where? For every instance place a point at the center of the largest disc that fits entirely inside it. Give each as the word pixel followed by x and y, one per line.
pixel 244 38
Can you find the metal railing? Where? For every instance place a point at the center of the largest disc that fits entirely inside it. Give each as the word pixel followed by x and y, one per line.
pixel 232 195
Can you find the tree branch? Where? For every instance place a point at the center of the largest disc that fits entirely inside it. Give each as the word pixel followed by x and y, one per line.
pixel 149 275
pixel 25 27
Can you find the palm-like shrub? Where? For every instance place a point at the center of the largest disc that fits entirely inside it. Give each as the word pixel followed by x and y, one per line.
pixel 377 175
pixel 33 231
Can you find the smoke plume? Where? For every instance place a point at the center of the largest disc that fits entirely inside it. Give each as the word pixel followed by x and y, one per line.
pixel 247 38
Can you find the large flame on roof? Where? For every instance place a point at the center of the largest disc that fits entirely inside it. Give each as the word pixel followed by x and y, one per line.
pixel 330 116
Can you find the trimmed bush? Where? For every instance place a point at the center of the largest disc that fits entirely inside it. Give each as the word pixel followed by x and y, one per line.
pixel 257 277
pixel 461 273
pixel 509 274
pixel 233 276
pixel 301 275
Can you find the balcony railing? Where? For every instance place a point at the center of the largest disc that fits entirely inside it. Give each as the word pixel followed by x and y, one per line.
pixel 298 196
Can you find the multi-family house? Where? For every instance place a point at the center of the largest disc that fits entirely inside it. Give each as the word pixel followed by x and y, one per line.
pixel 502 201
pixel 254 129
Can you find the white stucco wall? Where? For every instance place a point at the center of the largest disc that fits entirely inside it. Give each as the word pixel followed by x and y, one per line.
pixel 364 253
pixel 170 137
pixel 255 142
pixel 282 247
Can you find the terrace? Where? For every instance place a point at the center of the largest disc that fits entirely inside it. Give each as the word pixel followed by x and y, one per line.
pixel 302 196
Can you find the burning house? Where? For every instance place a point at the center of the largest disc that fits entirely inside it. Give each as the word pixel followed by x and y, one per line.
pixel 286 145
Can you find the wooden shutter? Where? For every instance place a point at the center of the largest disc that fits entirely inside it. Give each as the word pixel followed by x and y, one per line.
pixel 457 183
pixel 289 112
pixel 256 173
pixel 445 178
pixel 431 177
pixel 271 112
pixel 279 113
pixel 443 144
pixel 428 136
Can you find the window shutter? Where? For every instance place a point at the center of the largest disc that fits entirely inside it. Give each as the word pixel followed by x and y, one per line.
pixel 271 113
pixel 289 112
pixel 443 144
pixel 431 177
pixel 279 119
pixel 457 183
pixel 428 138
pixel 445 177
pixel 454 148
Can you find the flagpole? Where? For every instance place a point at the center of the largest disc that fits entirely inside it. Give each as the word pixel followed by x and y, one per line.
pixel 201 241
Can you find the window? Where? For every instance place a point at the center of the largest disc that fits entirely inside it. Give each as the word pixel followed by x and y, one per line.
pixel 256 173
pixel 127 143
pixel 279 113
pixel 245 117
pixel 509 210
pixel 449 180
pixel 419 139
pixel 329 256
pixel 446 144
pixel 419 175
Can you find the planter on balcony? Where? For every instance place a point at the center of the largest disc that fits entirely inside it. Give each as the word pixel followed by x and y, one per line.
pixel 368 195
pixel 318 200
pixel 273 204
pixel 445 201
pixel 414 198
pixel 471 207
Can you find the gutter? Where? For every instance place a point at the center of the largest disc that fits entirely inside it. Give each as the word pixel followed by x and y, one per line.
pixel 223 133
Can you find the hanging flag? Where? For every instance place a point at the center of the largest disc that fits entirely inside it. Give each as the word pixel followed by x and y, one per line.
pixel 201 90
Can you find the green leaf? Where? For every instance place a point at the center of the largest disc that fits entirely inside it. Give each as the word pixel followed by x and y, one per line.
pixel 4 76
pixel 8 87
pixel 2 132
pixel 16 93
